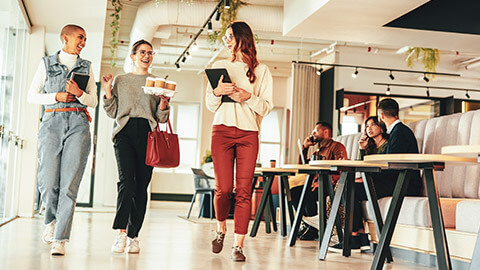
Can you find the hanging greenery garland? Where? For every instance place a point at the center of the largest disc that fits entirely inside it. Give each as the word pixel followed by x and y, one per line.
pixel 228 15
pixel 430 58
pixel 115 28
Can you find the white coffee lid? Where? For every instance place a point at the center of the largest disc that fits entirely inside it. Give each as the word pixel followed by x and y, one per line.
pixel 159 79
pixel 150 78
pixel 171 82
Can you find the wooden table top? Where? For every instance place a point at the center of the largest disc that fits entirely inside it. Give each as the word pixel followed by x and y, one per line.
pixel 276 170
pixel 470 151
pixel 420 158
pixel 347 163
pixel 304 167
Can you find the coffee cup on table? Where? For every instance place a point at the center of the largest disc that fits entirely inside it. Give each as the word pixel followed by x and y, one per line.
pixel 160 82
pixel 171 85
pixel 150 82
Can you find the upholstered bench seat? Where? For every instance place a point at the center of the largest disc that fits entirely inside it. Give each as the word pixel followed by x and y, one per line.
pixel 415 211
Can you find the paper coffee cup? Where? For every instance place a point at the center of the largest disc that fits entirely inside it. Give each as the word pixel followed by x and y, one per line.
pixel 171 85
pixel 150 82
pixel 160 82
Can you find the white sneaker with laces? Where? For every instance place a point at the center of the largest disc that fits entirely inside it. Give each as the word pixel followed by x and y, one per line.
pixel 58 248
pixel 312 221
pixel 133 245
pixel 120 243
pixel 48 233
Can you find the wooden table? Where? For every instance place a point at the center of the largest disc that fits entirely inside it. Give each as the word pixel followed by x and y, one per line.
pixel 268 175
pixel 323 180
pixel 470 151
pixel 406 163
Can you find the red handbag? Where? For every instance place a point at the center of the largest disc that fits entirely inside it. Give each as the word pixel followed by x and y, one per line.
pixel 162 148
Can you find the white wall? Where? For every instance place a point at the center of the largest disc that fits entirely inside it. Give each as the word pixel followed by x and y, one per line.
pixel 295 12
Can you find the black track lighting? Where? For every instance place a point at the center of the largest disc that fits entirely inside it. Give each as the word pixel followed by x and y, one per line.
pixel 467 95
pixel 425 77
pixel 178 66
pixel 189 56
pixel 210 28
pixel 428 92
pixel 184 59
pixel 388 91
pixel 320 70
pixel 227 3
pixel 217 17
pixel 391 76
pixel 354 74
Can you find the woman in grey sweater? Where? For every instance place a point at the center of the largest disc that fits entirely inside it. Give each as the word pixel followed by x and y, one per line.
pixel 135 114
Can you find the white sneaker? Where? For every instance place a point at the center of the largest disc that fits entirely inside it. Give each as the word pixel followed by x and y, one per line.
pixel 133 245
pixel 120 243
pixel 48 233
pixel 58 248
pixel 312 221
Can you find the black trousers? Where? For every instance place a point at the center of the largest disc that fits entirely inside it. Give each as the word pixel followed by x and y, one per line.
pixel 384 183
pixel 311 199
pixel 130 150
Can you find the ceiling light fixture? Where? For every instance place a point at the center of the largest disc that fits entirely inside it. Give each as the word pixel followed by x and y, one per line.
pixel 354 74
pixel 320 70
pixel 184 59
pixel 425 77
pixel 391 76
pixel 210 28
pixel 178 66
pixel 466 90
pixel 227 3
pixel 467 95
pixel 217 17
pixel 189 56
pixel 428 92
pixel 388 91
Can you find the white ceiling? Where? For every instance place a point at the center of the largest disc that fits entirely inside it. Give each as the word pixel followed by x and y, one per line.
pixel 362 22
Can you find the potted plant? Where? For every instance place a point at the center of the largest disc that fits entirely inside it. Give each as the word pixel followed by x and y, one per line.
pixel 207 163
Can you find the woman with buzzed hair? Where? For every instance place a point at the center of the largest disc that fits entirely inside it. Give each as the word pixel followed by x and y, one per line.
pixel 64 135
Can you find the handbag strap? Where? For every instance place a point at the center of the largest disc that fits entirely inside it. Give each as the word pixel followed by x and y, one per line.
pixel 169 126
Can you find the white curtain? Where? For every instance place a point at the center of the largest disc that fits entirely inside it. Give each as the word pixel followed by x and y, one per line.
pixel 305 107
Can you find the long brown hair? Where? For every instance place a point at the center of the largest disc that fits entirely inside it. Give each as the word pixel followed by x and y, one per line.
pixel 244 39
pixel 371 146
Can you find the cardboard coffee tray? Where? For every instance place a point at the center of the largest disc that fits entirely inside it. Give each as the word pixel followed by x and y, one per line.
pixel 158 91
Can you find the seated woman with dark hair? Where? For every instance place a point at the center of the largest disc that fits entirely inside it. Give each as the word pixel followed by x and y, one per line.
pixel 374 140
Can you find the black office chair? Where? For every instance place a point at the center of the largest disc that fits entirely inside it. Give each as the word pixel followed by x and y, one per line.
pixel 203 185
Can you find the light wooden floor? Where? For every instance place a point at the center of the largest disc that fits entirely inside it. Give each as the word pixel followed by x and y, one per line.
pixel 167 242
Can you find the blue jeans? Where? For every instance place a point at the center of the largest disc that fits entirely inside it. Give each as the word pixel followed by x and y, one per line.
pixel 63 148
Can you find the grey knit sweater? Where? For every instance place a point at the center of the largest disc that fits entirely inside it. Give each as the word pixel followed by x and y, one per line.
pixel 129 101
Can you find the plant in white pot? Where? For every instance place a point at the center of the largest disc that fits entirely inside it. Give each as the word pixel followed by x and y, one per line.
pixel 207 163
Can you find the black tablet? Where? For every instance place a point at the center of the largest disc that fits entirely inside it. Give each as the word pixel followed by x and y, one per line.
pixel 213 75
pixel 81 80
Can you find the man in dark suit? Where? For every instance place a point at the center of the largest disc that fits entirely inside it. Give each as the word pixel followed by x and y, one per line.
pixel 401 140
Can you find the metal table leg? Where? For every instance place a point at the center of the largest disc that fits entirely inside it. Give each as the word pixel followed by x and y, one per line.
pixel 391 220
pixel 298 217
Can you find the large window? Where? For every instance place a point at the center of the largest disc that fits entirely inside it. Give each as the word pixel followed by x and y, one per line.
pixel 13 44
pixel 185 119
pixel 271 138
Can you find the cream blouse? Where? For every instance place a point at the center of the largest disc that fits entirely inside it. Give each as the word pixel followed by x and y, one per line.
pixel 245 115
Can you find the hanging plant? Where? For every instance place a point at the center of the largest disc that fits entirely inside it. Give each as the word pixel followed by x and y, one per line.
pixel 157 2
pixel 115 28
pixel 430 58
pixel 228 15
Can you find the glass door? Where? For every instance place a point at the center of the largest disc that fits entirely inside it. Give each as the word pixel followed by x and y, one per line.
pixel 13 43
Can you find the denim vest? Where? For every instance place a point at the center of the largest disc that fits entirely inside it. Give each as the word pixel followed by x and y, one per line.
pixel 56 79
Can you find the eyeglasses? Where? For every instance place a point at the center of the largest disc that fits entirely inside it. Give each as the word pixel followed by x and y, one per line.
pixel 227 38
pixel 143 52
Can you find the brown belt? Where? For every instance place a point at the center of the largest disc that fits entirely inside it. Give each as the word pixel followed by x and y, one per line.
pixel 71 110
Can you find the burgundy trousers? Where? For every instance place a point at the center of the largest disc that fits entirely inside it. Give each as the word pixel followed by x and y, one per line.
pixel 230 146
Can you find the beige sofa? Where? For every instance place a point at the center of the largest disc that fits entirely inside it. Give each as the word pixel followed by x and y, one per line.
pixel 459 189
